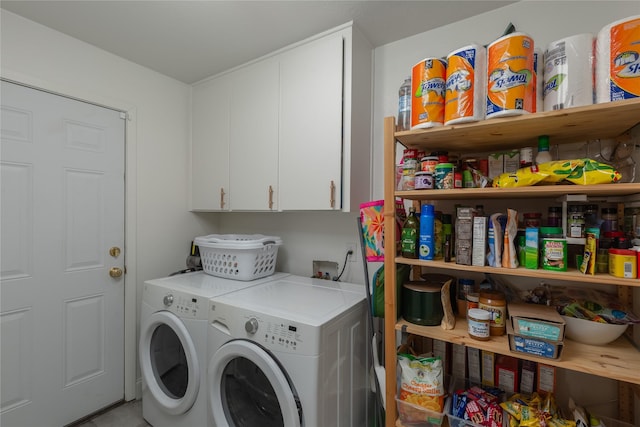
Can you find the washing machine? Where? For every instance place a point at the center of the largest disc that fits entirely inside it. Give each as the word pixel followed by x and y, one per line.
pixel 173 345
pixel 291 353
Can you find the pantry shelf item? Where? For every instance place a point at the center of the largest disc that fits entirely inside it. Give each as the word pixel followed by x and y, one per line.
pixel 591 332
pixel 618 360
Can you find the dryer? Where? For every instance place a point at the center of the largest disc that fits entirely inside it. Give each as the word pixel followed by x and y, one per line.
pixel 291 353
pixel 173 345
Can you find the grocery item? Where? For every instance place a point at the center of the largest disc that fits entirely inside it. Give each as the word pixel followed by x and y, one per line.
pixel 404 106
pixel 409 237
pixel 422 381
pixel 427 90
pixel 427 237
pixel 543 155
pixel 478 321
pixel 495 303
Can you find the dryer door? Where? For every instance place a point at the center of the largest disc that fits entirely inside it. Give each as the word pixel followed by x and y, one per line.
pixel 169 362
pixel 249 388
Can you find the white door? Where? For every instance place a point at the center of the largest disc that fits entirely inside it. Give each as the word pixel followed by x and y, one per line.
pixel 311 126
pixel 62 207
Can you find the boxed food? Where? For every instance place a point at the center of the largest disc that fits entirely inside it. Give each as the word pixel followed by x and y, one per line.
pixel 471 404
pixel 536 321
pixel 534 346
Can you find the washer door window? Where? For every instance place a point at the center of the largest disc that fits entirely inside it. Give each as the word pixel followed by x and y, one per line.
pixel 169 363
pixel 249 388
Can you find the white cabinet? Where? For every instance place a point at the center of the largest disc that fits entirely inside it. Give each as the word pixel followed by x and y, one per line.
pixel 253 137
pixel 295 132
pixel 210 145
pixel 311 125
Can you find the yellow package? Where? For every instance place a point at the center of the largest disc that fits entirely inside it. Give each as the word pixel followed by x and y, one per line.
pixel 559 170
pixel 422 382
pixel 592 172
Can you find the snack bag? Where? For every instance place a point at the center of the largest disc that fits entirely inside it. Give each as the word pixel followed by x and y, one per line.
pixel 421 382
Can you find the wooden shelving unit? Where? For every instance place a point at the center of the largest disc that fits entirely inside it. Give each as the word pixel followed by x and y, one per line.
pixel 618 360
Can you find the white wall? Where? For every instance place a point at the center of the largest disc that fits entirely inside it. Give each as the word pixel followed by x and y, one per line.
pixel 159 227
pixel 545 21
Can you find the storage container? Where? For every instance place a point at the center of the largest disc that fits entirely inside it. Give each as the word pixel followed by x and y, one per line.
pixel 238 256
pixel 418 416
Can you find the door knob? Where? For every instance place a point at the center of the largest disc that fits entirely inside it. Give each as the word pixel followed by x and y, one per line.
pixel 115 272
pixel 114 251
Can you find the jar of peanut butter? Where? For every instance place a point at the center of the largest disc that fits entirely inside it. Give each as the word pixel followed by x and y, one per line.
pixel 495 303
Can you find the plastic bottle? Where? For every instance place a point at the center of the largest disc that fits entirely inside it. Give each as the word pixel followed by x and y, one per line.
pixel 410 231
pixel 427 232
pixel 543 155
pixel 404 106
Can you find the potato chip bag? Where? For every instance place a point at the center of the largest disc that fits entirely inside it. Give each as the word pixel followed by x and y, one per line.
pixel 422 381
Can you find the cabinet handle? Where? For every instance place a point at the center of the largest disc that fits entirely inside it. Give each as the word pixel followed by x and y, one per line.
pixel 222 193
pixel 332 197
pixel 270 197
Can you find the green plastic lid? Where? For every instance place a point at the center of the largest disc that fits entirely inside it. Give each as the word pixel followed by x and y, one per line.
pixel 543 142
pixel 551 230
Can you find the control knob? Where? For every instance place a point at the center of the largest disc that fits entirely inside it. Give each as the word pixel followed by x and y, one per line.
pixel 168 300
pixel 251 326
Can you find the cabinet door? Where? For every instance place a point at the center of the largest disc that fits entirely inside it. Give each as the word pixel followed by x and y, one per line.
pixel 254 136
pixel 210 145
pixel 311 89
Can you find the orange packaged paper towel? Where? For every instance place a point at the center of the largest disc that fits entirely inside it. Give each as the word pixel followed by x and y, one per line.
pixel 618 60
pixel 510 67
pixel 427 93
pixel 464 99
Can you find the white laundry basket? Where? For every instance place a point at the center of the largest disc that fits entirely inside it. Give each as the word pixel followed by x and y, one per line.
pixel 238 256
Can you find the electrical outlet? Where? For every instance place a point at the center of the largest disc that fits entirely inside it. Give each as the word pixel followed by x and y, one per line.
pixel 352 247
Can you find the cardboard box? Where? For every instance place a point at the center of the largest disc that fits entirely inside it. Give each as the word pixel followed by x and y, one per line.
pixel 528 376
pixel 458 360
pixel 496 164
pixel 488 367
pixel 534 346
pixel 511 160
pixel 536 321
pixel 507 373
pixel 546 378
pixel 473 359
pixel 479 249
pixel 531 249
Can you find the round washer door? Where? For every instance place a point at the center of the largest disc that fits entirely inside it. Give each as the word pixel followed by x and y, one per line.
pixel 248 387
pixel 169 362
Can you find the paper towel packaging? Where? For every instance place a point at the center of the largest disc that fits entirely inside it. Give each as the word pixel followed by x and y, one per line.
pixel 510 62
pixel 538 80
pixel 618 60
pixel 568 72
pixel 464 99
pixel 427 93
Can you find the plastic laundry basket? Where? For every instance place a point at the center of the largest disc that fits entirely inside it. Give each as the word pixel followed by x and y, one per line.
pixel 238 256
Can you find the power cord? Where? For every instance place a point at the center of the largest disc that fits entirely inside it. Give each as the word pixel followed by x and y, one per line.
pixel 344 265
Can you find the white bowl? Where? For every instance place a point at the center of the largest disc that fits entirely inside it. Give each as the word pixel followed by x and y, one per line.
pixel 590 332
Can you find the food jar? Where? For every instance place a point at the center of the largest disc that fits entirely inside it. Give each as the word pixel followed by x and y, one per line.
pixel 424 181
pixel 428 164
pixel 609 219
pixel 623 263
pixel 444 176
pixel 478 323
pixel 495 303
pixel 532 219
pixel 472 301
pixel 554 216
pixel 575 221
pixel 553 249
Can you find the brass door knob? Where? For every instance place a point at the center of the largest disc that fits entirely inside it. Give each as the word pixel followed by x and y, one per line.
pixel 114 252
pixel 115 272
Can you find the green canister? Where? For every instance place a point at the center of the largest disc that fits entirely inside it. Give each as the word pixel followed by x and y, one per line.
pixel 553 249
pixel 422 303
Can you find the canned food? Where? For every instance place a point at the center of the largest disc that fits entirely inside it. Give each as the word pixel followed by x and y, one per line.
pixel 444 178
pixel 424 181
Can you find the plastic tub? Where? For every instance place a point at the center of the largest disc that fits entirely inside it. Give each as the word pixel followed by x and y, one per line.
pixel 417 416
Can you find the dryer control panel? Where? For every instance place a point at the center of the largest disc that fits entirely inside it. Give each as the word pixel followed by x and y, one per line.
pixel 182 304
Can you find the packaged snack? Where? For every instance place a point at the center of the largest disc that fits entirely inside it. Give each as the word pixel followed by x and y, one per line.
pixel 422 381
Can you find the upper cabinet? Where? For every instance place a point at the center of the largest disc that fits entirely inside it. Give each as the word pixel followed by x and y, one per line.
pixel 295 131
pixel 210 145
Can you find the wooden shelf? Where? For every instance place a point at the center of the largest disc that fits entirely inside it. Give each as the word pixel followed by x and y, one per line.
pixel 535 192
pixel 618 360
pixel 571 275
pixel 604 121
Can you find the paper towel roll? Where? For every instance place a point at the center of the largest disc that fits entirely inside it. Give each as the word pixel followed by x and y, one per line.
pixel 510 76
pixel 538 80
pixel 427 93
pixel 568 72
pixel 618 60
pixel 465 94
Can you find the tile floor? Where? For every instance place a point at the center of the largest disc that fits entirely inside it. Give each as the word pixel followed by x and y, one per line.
pixel 127 414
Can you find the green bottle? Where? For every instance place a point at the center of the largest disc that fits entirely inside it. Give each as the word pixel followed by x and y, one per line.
pixel 409 236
